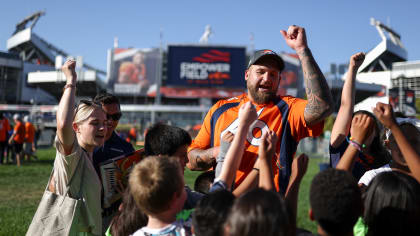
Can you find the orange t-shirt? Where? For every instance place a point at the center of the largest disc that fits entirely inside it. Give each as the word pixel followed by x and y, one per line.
pixel 284 116
pixel 4 129
pixel 20 132
pixel 133 133
pixel 29 132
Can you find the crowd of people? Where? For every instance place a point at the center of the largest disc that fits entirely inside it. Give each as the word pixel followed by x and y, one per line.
pixel 246 148
pixel 17 139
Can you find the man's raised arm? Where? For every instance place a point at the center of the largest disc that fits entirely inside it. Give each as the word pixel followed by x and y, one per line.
pixel 202 159
pixel 319 97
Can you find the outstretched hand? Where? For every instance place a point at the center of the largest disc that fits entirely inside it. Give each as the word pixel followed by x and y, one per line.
pixel 267 146
pixel 384 114
pixel 356 60
pixel 361 126
pixel 247 114
pixel 295 37
pixel 69 70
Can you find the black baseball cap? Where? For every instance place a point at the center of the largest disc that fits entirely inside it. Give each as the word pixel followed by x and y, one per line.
pixel 266 53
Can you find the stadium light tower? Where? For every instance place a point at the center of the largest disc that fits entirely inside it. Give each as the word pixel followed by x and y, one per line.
pixel 206 35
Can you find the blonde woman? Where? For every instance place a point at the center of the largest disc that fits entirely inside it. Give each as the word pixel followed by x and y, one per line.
pixel 79 131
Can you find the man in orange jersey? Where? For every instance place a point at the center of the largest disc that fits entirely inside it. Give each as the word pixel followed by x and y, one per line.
pixel 4 129
pixel 292 119
pixel 17 137
pixel 29 144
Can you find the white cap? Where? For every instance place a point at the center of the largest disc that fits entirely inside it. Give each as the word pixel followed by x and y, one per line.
pixel 16 116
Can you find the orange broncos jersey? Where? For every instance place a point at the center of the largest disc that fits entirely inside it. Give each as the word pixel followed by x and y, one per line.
pixel 284 116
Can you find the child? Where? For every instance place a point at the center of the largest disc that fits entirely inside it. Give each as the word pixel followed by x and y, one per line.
pixel 392 206
pixel 157 186
pixel 211 212
pixel 411 134
pixel 204 181
pixel 129 217
pixel 335 201
pixel 404 144
pixel 374 154
pixel 246 115
pixel 173 141
pixel 259 212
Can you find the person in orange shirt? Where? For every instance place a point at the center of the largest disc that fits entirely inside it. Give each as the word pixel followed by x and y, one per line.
pixel 132 134
pixel 29 143
pixel 4 129
pixel 17 137
pixel 292 119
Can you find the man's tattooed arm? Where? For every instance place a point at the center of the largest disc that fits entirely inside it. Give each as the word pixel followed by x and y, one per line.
pixel 199 159
pixel 319 97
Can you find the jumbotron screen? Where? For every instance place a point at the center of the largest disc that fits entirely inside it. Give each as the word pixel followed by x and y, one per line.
pixel 206 66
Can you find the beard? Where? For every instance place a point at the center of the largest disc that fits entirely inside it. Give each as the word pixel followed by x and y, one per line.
pixel 260 97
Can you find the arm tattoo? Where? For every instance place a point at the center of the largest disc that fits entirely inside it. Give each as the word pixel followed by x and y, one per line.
pixel 201 159
pixel 318 94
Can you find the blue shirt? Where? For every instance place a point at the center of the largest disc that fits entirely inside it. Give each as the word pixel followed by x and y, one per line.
pixel 192 198
pixel 115 146
pixel 361 165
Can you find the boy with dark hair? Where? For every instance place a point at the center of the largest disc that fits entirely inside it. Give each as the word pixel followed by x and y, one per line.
pixel 204 181
pixel 157 186
pixel 211 212
pixel 162 139
pixel 336 202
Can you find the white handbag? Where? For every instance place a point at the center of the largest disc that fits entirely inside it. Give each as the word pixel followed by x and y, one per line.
pixel 58 215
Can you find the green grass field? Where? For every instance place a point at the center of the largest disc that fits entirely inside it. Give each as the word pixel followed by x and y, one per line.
pixel 21 190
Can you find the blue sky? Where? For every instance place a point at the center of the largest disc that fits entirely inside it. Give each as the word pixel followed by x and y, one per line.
pixel 335 29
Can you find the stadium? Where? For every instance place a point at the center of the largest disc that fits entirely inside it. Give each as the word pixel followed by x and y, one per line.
pixel 179 83
pixel 174 84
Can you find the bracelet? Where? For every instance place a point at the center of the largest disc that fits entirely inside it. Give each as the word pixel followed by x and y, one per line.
pixel 362 145
pixel 256 169
pixel 69 86
pixel 356 144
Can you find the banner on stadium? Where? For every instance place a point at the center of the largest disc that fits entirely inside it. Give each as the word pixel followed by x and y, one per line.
pixel 408 106
pixel 206 66
pixel 134 71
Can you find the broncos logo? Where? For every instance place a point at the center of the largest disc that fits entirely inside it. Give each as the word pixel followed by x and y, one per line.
pixel 255 131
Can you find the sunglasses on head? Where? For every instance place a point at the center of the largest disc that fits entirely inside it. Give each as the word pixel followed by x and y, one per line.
pixel 87 103
pixel 115 116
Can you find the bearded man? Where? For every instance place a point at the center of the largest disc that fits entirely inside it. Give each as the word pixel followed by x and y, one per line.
pixel 292 119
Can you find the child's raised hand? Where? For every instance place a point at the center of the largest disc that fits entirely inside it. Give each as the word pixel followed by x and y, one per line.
pixel 361 126
pixel 268 143
pixel 357 59
pixel 247 114
pixel 299 166
pixel 384 114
